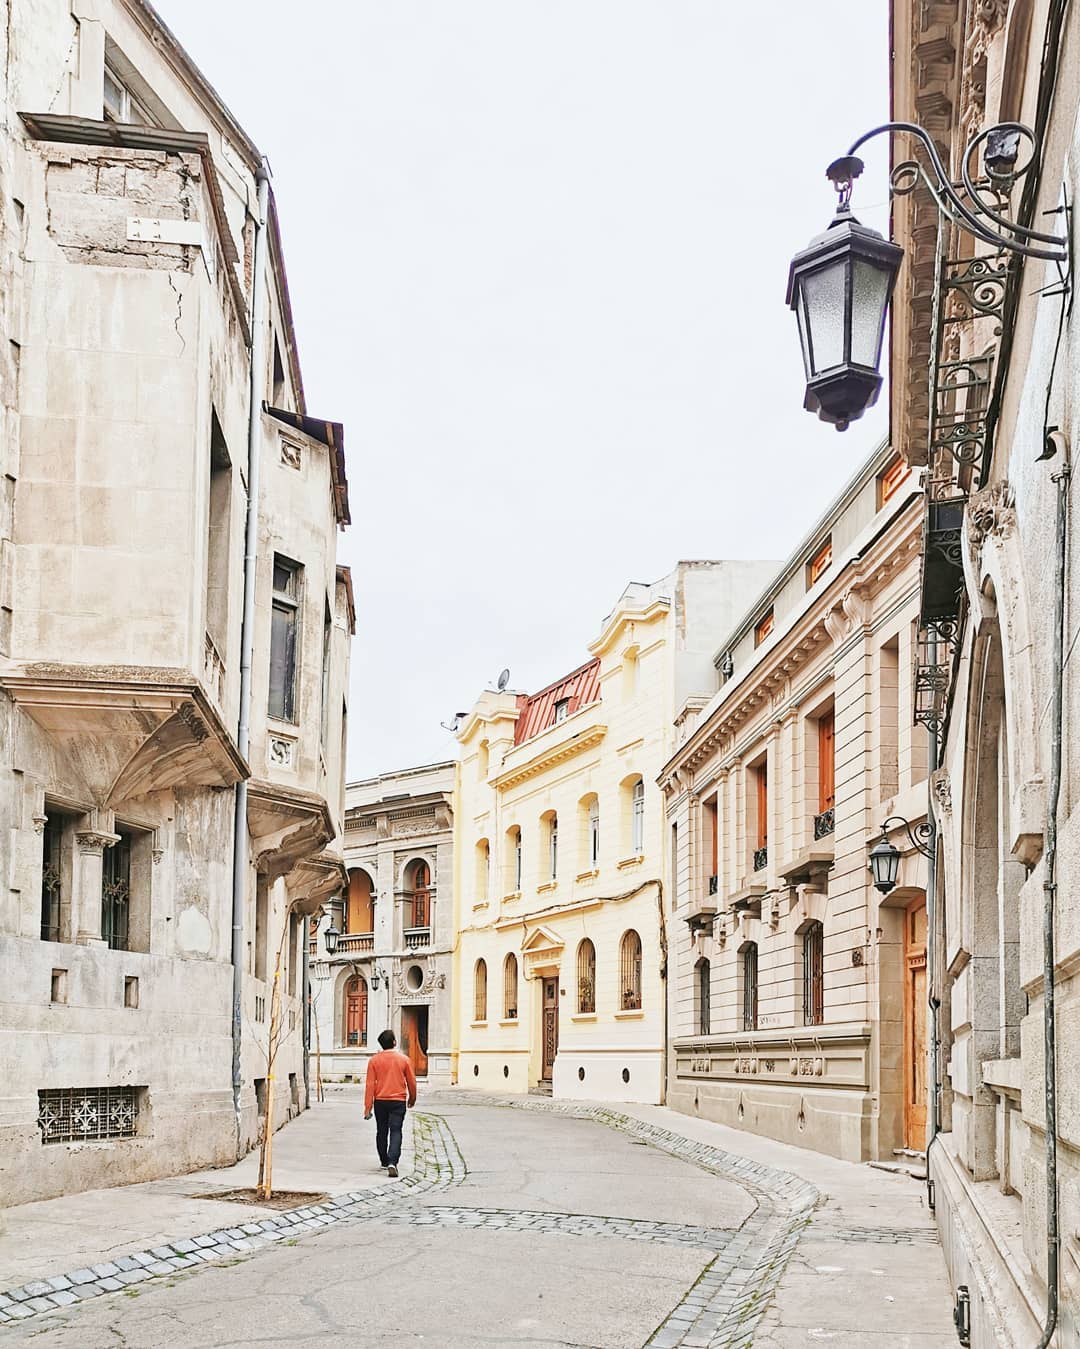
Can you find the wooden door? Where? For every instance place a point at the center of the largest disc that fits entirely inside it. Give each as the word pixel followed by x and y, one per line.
pixel 414 1038
pixel 915 1026
pixel 550 1028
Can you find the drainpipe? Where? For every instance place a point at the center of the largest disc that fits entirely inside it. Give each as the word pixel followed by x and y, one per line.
pixel 247 627
pixel 1055 442
pixel 933 997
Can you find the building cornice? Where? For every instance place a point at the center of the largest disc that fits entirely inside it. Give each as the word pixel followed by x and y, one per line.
pixel 551 756
pixel 622 617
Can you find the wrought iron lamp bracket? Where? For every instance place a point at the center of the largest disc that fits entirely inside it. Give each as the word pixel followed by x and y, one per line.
pixel 921 836
pixel 966 204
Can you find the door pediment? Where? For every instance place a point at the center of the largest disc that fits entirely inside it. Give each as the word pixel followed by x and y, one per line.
pixel 541 949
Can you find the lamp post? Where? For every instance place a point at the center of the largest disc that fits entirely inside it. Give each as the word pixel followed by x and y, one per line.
pixel 885 856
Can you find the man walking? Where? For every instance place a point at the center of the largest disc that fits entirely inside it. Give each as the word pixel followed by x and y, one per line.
pixel 391 1084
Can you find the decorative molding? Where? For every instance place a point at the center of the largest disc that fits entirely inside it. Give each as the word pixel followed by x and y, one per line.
pixel 191 719
pixel 280 750
pixel 548 758
pixel 942 789
pixel 95 840
pixel 39 822
pixel 990 512
pixel 292 455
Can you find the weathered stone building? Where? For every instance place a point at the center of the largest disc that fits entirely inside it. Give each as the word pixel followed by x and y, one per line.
pixel 797 997
pixel 153 432
pixel 393 960
pixel 560 852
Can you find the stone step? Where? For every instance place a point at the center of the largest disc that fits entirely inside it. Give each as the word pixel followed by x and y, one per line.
pixel 911 1169
pixel 909 1152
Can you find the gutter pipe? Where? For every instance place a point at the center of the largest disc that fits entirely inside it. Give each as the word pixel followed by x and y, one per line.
pixel 1054 441
pixel 247 627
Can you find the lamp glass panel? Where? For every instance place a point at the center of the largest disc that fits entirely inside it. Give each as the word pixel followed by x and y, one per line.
pixel 804 330
pixel 823 293
pixel 870 293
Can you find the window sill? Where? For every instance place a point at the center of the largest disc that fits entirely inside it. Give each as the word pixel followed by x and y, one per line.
pixel 588 875
pixel 547 885
pixel 628 862
pixel 480 904
pixel 631 1014
pixel 511 897
pixel 509 1021
pixel 583 1016
pixel 477 1025
pixel 281 724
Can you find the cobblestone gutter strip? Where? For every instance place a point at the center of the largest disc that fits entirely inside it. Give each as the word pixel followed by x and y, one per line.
pixel 564 1224
pixel 438 1165
pixel 722 1309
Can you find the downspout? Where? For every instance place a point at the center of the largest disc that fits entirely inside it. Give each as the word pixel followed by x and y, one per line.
pixel 933 996
pixel 305 991
pixel 664 1052
pixel 247 628
pixel 1055 441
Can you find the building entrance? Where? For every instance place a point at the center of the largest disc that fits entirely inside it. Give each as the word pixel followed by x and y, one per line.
pixel 915 1025
pixel 414 1038
pixel 549 1028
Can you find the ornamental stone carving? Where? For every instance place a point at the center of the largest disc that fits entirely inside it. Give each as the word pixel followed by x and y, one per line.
pixel 990 512
pixel 95 840
pixel 192 721
pixel 942 789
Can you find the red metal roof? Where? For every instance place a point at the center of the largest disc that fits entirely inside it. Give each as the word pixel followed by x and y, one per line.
pixel 580 687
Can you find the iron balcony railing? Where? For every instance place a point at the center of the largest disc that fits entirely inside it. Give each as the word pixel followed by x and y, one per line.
pixel 714 884
pixel 761 858
pixel 825 823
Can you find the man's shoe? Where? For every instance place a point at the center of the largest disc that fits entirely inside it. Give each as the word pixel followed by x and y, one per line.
pixel 392 1171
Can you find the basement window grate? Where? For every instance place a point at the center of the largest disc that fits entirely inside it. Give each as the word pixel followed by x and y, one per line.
pixel 88 1114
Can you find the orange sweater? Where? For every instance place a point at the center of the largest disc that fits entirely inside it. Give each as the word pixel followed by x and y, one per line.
pixel 389 1078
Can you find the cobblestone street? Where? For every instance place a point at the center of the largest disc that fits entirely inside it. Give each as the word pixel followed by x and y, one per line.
pixel 518 1222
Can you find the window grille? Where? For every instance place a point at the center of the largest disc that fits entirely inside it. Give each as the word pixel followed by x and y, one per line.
pixel 750 987
pixel 630 971
pixel 51 878
pixel 594 833
pixel 517 859
pixel 510 987
pixel 553 845
pixel 637 823
pixel 284 626
pixel 813 996
pixel 356 1012
pixel 704 997
pixel 480 992
pixel 88 1114
pixel 116 893
pixel 586 976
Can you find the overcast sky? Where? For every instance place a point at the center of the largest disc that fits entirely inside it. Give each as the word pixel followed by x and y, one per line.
pixel 537 252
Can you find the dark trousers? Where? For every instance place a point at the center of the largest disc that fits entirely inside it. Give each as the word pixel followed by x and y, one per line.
pixel 389 1117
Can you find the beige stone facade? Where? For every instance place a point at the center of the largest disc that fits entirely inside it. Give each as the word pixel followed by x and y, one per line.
pixel 989 601
pixel 561 962
pixel 396 919
pixel 788 1012
pixel 131 242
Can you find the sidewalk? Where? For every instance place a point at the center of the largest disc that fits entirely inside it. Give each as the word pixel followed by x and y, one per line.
pixel 328 1149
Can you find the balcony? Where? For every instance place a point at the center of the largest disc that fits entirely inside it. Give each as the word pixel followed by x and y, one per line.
pixel 714 884
pixel 761 858
pixel 356 943
pixel 701 909
pixel 825 823
pixel 416 938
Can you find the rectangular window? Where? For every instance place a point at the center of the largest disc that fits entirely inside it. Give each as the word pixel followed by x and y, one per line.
pixel 328 630
pixel 891 480
pixel 562 710
pixel 51 876
pixel 704 997
pixel 119 104
pixel 553 847
pixel 88 1114
pixel 219 515
pixel 761 786
pixel 819 564
pixel 262 905
pixel 763 627
pixel 712 838
pixel 826 762
pixel 116 893
pixel 284 632
pixel 750 987
pixel 674 866
pixel 813 998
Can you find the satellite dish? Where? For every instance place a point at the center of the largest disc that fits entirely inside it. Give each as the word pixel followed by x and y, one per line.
pixel 504 679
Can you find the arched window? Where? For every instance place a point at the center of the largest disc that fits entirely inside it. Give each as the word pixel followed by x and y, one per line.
pixel 586 976
pixel 589 832
pixel 813 975
pixel 418 912
pixel 355 1018
pixel 630 972
pixel 550 824
pixel 360 903
pixel 510 987
pixel 483 871
pixel 748 976
pixel 480 991
pixel 637 818
pixel 704 997
pixel 513 860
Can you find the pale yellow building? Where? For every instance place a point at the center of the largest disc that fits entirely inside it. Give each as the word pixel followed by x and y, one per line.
pixel 560 897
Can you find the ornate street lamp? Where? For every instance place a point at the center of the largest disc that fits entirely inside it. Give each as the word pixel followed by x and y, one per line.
pixel 840 285
pixel 885 856
pixel 330 937
pixel 839 288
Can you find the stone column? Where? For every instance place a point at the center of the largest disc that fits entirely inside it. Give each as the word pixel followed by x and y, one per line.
pixel 86 887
